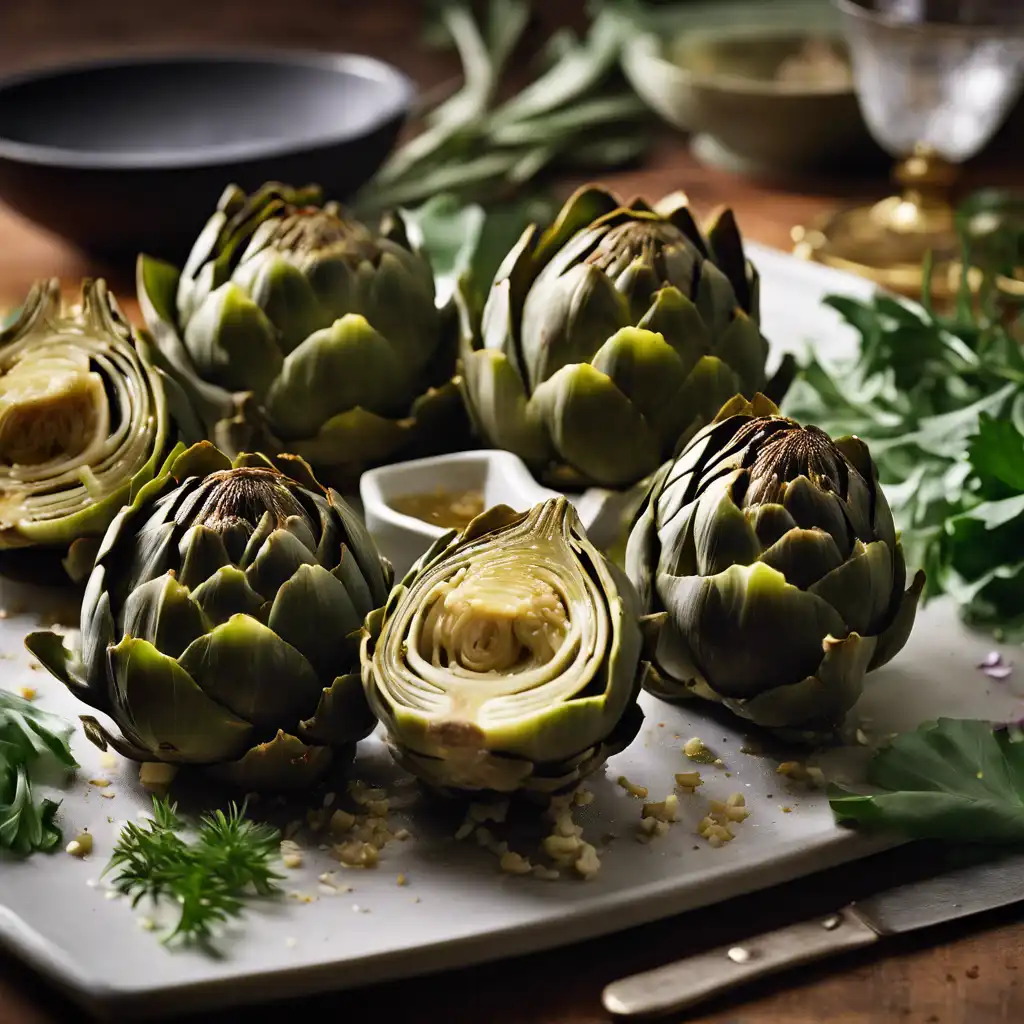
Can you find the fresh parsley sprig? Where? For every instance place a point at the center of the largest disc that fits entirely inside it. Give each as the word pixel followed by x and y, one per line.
pixel 208 878
pixel 938 396
pixel 30 740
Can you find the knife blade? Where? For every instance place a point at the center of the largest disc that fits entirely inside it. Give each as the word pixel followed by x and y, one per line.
pixel 962 892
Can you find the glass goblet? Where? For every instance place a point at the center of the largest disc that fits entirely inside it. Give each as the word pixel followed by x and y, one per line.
pixel 935 80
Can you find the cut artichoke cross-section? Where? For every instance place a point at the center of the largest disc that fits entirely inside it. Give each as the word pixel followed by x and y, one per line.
pixel 83 414
pixel 508 658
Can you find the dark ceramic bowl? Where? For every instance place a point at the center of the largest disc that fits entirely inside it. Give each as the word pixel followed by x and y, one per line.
pixel 128 155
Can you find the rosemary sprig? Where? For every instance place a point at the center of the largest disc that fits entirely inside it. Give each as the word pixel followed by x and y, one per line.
pixel 206 878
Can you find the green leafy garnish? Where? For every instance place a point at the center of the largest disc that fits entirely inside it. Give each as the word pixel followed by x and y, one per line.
pixel 956 779
pixel 30 740
pixel 483 146
pixel 938 396
pixel 206 878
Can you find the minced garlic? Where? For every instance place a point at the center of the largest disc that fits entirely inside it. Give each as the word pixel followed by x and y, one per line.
pixel 639 792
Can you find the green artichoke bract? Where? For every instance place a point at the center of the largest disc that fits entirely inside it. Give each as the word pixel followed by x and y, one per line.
pixel 84 419
pixel 767 555
pixel 295 328
pixel 508 659
pixel 610 337
pixel 221 622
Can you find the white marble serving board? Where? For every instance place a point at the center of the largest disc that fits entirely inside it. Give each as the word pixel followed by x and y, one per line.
pixel 457 908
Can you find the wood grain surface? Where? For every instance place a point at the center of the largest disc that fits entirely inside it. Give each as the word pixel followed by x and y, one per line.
pixel 965 973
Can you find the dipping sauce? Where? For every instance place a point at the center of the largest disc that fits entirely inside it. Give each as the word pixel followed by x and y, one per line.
pixel 452 510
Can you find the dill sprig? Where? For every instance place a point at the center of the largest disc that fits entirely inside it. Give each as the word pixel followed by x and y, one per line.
pixel 207 878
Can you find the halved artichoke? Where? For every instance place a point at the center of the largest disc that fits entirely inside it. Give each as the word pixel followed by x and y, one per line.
pixel 294 328
pixel 508 659
pixel 84 420
pixel 767 557
pixel 221 623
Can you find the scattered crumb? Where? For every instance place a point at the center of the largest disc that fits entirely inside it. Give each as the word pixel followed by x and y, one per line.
pixel 291 853
pixel 99 783
pixel 147 924
pixel 341 821
pixel 80 846
pixel 787 810
pixel 301 897
pixel 107 795
pixel 291 942
pixel 513 863
pixel 696 750
pixel 28 692
pixel 356 854
pixel 588 864
pixel 402 834
pixel 155 776
pixel 360 910
pixel 639 792
pixel 861 738
pixel 546 874
pixel 666 810
pixel 402 880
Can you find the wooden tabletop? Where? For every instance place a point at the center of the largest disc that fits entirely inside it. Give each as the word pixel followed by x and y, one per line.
pixel 963 973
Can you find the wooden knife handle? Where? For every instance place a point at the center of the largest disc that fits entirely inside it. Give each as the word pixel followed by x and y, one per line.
pixel 685 983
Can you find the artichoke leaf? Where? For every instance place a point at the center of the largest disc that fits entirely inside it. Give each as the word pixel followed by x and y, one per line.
pixel 315 614
pixel 225 593
pixel 171 715
pixel 495 393
pixel 566 320
pixel 892 640
pixel 283 764
pixel 232 343
pixel 278 559
pixel 733 618
pixel 246 667
pixel 860 588
pixel 647 370
pixel 162 612
pixel 341 367
pixel 342 716
pixel 820 701
pixel 675 318
pixel 579 404
pixel 807 558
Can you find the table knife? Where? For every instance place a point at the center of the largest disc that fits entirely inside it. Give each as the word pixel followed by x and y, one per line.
pixel 920 904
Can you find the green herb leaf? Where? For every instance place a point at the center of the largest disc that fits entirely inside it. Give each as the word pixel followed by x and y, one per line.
pixel 30 739
pixel 207 879
pixel 955 779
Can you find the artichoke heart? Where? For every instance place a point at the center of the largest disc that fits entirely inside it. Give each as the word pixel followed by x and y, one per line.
pixel 767 559
pixel 293 327
pixel 221 622
pixel 611 337
pixel 84 417
pixel 509 657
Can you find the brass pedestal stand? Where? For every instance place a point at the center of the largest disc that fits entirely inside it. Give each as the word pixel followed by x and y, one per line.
pixel 889 241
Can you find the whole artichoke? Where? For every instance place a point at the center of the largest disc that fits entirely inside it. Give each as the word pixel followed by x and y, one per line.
pixel 610 337
pixel 220 625
pixel 84 420
pixel 508 659
pixel 294 328
pixel 767 555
